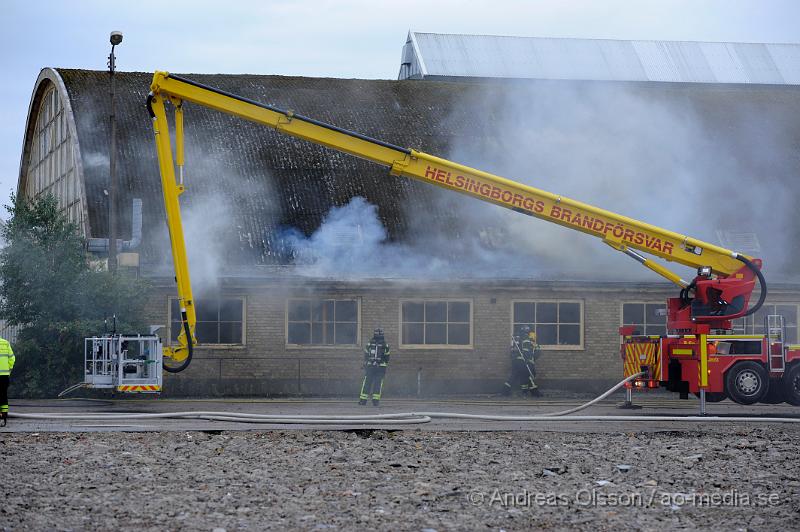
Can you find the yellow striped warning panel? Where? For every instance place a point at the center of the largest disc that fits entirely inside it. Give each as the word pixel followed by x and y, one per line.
pixel 640 354
pixel 139 388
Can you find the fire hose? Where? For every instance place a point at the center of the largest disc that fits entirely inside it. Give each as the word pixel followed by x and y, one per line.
pixel 404 418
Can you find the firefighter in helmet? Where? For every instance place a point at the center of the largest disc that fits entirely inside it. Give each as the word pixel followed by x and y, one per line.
pixel 376 360
pixel 524 351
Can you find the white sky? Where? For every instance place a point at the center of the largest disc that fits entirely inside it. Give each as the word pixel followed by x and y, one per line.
pixel 324 38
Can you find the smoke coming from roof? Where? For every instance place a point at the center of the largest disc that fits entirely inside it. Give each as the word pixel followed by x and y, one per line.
pixel 692 163
pixel 352 242
pixel 214 215
pixel 689 164
pixel 694 160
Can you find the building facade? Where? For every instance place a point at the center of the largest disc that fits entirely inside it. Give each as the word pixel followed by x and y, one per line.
pixel 292 336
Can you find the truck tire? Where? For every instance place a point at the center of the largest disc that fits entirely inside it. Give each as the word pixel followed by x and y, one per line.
pixel 775 394
pixel 746 382
pixel 791 384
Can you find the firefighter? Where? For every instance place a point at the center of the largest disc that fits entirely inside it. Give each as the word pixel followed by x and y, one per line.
pixel 531 350
pixel 376 360
pixel 7 360
pixel 523 351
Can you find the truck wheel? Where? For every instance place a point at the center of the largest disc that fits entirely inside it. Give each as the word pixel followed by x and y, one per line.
pixel 746 382
pixel 791 385
pixel 775 394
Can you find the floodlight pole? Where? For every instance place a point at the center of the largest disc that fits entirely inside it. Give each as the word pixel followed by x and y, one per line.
pixel 116 38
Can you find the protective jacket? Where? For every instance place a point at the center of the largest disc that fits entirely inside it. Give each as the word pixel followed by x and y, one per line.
pixel 7 358
pixel 528 351
pixel 376 354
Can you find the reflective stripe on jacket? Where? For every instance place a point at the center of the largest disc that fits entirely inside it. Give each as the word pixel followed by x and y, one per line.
pixel 7 358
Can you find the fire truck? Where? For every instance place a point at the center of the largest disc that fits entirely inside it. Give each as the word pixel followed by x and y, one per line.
pixel 699 354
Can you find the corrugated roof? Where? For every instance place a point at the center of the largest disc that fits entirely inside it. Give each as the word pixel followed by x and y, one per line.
pixel 266 181
pixel 435 55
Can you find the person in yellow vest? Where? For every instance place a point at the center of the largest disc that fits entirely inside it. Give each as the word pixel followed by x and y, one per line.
pixel 6 365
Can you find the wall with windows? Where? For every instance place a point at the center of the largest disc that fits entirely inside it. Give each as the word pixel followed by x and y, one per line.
pixel 447 338
pixel 648 317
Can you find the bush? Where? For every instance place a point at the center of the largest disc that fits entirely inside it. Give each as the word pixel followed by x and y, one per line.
pixel 51 292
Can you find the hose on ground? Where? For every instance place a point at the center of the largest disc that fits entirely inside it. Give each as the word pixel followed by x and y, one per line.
pixel 403 418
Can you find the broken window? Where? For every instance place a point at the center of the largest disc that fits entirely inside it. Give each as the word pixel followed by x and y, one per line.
pixel 219 321
pixel 556 323
pixel 650 319
pixel 436 323
pixel 755 324
pixel 322 322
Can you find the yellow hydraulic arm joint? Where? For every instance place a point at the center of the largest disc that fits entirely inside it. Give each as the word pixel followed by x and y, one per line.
pixel 661 270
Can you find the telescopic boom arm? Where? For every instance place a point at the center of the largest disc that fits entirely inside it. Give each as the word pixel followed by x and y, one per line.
pixel 721 289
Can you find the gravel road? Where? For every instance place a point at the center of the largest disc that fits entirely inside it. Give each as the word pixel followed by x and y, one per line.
pixel 725 478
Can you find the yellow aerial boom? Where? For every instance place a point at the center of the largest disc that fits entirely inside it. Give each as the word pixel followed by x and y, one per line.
pixel 716 265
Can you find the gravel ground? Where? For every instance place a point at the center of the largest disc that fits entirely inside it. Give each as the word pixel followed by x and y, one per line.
pixel 727 478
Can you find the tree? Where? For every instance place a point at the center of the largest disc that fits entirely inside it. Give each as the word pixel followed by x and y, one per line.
pixel 50 290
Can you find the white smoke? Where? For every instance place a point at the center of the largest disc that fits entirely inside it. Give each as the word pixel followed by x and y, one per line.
pixel 654 157
pixel 215 213
pixel 352 242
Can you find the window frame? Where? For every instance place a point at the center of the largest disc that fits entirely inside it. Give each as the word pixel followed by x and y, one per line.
pixel 640 302
pixel 546 347
pixel 347 347
pixel 242 345
pixel 470 301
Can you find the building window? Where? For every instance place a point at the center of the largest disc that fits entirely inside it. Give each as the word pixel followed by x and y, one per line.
pixel 755 324
pixel 322 322
pixel 439 323
pixel 649 318
pixel 219 321
pixel 557 323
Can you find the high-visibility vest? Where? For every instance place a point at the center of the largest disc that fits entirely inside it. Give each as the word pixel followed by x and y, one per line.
pixel 6 357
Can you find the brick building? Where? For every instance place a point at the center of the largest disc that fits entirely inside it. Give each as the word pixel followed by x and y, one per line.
pixel 270 323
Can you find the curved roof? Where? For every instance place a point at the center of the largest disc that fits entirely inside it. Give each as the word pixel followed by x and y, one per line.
pixel 248 183
pixel 264 181
pixel 50 78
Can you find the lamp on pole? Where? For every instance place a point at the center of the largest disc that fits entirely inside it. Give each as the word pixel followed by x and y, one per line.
pixel 115 39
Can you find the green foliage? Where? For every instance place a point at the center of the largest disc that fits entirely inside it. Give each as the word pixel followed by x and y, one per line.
pixel 51 291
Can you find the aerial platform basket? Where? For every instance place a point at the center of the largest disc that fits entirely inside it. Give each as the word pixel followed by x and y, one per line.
pixel 125 363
